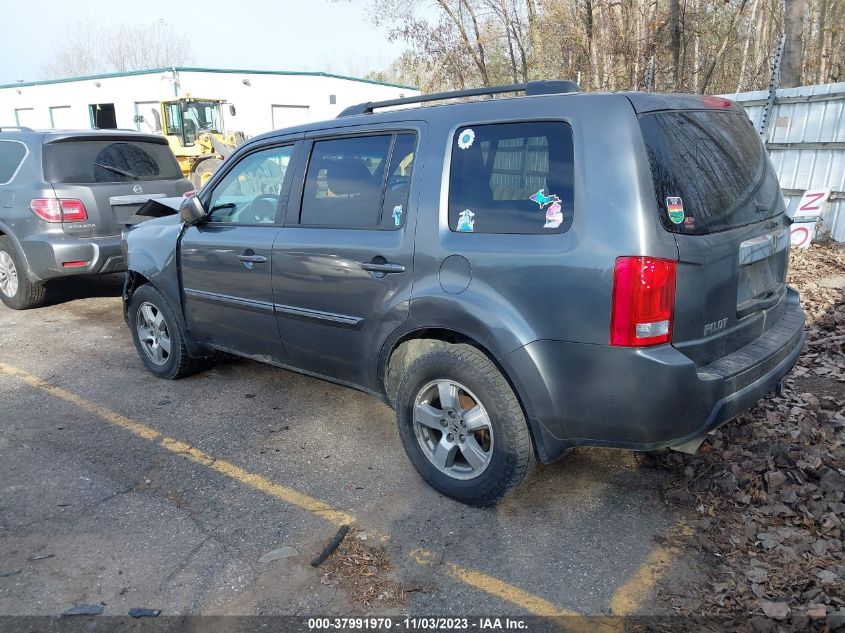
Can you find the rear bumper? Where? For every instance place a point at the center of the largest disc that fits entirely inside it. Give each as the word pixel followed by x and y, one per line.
pixel 46 254
pixel 644 399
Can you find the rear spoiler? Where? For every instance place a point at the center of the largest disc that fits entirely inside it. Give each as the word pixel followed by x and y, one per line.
pixel 105 136
pixel 653 102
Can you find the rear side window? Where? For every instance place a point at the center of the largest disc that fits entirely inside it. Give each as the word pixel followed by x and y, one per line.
pixel 12 154
pixel 358 182
pixel 108 161
pixel 710 171
pixel 512 178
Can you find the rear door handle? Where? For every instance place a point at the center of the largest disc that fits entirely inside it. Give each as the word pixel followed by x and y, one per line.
pixel 386 268
pixel 253 259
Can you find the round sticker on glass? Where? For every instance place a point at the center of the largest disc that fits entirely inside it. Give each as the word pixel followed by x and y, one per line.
pixel 466 138
pixel 675 209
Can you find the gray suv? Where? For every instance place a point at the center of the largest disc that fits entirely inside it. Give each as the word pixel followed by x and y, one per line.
pixel 514 276
pixel 65 196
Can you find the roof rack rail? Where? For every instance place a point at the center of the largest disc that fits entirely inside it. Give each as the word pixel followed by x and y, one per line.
pixel 529 88
pixel 15 127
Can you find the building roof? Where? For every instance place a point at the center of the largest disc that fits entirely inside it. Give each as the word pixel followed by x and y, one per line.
pixel 190 69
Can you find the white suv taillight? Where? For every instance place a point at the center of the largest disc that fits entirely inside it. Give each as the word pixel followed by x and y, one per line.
pixel 643 301
pixel 59 209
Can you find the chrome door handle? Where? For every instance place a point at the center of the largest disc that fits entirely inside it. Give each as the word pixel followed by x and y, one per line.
pixel 387 267
pixel 253 259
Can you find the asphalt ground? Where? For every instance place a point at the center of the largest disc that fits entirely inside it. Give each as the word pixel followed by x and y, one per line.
pixel 118 488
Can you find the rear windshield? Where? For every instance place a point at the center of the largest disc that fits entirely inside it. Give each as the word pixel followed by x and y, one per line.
pixel 88 162
pixel 710 171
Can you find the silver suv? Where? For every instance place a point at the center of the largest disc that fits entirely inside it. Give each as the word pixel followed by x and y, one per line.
pixel 516 276
pixel 65 196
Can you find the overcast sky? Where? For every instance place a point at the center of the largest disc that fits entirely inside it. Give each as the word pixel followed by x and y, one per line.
pixel 263 35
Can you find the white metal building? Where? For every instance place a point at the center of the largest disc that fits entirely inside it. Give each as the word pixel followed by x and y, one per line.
pixel 805 136
pixel 263 100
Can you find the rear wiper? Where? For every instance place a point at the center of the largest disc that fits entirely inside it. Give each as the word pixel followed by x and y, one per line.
pixel 118 170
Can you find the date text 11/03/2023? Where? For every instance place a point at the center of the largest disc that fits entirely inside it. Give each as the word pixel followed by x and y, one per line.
pixel 418 623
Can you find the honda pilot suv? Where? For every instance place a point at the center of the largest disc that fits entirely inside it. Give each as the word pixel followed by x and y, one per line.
pixel 514 276
pixel 65 196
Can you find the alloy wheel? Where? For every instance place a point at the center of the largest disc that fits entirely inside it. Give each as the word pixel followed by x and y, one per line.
pixel 8 275
pixel 153 333
pixel 453 429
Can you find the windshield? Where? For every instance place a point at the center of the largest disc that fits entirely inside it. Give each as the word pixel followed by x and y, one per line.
pixel 205 115
pixel 108 161
pixel 710 171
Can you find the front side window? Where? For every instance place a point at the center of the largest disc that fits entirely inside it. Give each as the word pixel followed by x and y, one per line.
pixel 512 178
pixel 12 154
pixel 249 193
pixel 349 183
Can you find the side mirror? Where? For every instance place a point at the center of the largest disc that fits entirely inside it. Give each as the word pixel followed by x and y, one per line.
pixel 192 211
pixel 232 110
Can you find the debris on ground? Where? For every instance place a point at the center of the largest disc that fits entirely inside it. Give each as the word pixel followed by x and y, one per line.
pixel 84 609
pixel 144 613
pixel 40 557
pixel 278 553
pixel 6 574
pixel 363 571
pixel 331 546
pixel 768 489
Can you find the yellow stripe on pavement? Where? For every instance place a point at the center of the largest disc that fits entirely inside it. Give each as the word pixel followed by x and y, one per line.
pixel 625 600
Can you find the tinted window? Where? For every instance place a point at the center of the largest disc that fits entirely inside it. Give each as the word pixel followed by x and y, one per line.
pixel 710 170
pixel 398 181
pixel 12 154
pixel 511 178
pixel 87 162
pixel 345 180
pixel 249 192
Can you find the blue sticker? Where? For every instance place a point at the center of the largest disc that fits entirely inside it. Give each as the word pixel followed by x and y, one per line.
pixel 466 139
pixel 397 215
pixel 466 221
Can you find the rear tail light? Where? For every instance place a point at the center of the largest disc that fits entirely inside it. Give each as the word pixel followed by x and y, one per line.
pixel 643 301
pixel 78 264
pixel 59 209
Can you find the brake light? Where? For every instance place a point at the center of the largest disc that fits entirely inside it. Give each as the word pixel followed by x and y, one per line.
pixel 643 301
pixel 59 210
pixel 717 102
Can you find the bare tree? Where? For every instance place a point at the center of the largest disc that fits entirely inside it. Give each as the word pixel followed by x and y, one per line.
pixel 793 25
pixel 90 48
pixel 713 46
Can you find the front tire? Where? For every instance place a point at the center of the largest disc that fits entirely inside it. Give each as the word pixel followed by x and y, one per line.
pixel 462 425
pixel 17 291
pixel 158 336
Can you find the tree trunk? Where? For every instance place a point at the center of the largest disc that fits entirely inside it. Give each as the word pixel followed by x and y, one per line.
pixel 705 82
pixel 675 40
pixel 793 23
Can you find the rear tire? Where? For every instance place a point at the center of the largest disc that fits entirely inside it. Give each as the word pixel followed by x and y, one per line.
pixel 158 336
pixel 17 291
pixel 459 385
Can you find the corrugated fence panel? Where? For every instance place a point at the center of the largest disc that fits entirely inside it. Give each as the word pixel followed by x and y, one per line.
pixel 801 119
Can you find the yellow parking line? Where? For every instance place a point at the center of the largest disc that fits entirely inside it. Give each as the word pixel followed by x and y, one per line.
pixel 628 598
pixel 531 603
pixel 494 586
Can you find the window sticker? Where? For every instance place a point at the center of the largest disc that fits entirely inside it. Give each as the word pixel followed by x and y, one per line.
pixel 675 209
pixel 554 216
pixel 397 215
pixel 542 199
pixel 466 221
pixel 466 139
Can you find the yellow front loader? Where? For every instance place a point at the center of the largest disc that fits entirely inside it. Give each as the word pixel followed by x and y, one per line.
pixel 194 130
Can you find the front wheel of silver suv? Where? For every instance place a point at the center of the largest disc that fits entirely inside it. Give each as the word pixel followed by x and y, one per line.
pixel 462 425
pixel 17 291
